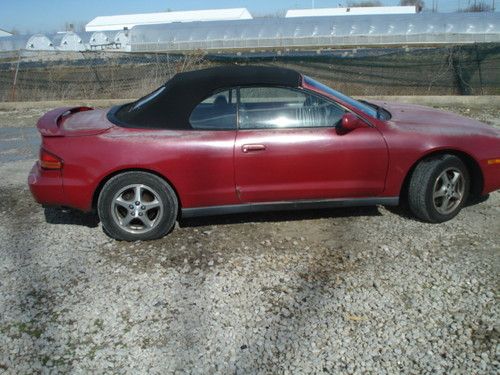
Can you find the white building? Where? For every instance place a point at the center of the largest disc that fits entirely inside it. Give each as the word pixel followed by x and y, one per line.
pixel 107 23
pixel 71 41
pixel 102 40
pixel 122 40
pixel 39 42
pixel 4 33
pixel 318 12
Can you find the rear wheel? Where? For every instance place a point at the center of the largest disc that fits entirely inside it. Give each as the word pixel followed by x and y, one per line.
pixel 438 188
pixel 136 206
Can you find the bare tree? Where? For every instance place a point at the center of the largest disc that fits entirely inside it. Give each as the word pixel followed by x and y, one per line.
pixel 277 14
pixel 364 3
pixel 477 6
pixel 419 4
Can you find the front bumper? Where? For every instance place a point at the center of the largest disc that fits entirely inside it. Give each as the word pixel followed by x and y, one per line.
pixel 46 186
pixel 491 174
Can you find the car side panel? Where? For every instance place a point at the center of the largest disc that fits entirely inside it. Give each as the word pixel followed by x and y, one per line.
pixel 407 147
pixel 314 163
pixel 199 164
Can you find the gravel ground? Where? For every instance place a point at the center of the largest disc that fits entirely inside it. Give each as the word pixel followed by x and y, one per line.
pixel 365 290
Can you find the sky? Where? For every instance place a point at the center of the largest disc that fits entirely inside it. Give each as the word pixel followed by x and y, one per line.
pixel 31 16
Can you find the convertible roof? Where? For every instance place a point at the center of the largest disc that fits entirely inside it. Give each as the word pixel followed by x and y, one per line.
pixel 235 75
pixel 172 106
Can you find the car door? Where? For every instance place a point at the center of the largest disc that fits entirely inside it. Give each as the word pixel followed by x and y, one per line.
pixel 204 161
pixel 289 148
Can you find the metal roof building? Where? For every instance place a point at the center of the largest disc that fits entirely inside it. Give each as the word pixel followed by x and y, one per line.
pixel 102 39
pixel 318 32
pixel 319 12
pixel 122 40
pixel 106 23
pixel 39 42
pixel 4 33
pixel 13 43
pixel 71 41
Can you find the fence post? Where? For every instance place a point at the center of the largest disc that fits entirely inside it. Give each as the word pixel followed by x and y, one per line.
pixel 94 70
pixel 478 61
pixel 14 82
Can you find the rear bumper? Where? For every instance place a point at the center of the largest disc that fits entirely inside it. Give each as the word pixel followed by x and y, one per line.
pixel 46 186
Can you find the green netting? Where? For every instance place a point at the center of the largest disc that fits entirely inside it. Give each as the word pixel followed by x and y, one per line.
pixel 452 70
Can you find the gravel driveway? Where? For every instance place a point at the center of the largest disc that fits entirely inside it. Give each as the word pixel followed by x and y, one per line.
pixel 363 290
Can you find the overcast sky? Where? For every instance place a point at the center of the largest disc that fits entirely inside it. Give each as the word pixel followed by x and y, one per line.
pixel 30 16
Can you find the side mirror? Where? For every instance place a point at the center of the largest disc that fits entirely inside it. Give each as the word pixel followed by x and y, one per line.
pixel 350 122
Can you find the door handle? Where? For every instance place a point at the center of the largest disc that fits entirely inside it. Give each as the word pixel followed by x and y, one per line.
pixel 251 148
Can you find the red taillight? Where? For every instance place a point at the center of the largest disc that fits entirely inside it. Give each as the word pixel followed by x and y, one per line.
pixel 49 161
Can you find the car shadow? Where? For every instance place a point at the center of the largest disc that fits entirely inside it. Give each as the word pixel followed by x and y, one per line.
pixel 477 200
pixel 91 220
pixel 278 216
pixel 69 216
pixel 403 210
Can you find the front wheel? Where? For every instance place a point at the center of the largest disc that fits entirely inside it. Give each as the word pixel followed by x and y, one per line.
pixel 137 206
pixel 438 188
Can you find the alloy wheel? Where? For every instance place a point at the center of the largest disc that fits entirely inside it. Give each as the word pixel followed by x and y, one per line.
pixel 448 191
pixel 137 208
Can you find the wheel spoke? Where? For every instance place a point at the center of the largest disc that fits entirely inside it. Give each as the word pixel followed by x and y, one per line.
pixel 137 195
pixel 121 202
pixel 446 203
pixel 127 219
pixel 151 205
pixel 457 195
pixel 455 178
pixel 440 193
pixel 146 221
pixel 445 179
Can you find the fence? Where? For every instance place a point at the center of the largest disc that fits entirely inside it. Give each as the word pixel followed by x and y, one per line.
pixel 452 70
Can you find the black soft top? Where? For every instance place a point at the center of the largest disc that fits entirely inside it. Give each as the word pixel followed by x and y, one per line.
pixel 171 105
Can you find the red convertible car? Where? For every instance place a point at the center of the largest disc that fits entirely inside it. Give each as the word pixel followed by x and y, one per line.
pixel 245 139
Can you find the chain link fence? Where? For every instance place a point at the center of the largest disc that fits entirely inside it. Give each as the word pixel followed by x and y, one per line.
pixel 452 70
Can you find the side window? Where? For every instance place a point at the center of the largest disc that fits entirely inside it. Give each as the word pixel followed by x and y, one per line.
pixel 217 112
pixel 276 107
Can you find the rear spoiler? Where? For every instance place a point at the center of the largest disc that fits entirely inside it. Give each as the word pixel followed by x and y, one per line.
pixel 49 125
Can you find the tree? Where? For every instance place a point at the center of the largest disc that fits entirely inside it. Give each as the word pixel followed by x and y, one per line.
pixel 419 4
pixel 478 6
pixel 277 14
pixel 364 3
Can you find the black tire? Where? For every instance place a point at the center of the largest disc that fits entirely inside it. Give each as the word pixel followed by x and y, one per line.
pixel 150 187
pixel 426 178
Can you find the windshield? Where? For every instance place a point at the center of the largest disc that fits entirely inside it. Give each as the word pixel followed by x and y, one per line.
pixel 370 111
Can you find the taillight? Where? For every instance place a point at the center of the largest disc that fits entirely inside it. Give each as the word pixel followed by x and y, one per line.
pixel 49 161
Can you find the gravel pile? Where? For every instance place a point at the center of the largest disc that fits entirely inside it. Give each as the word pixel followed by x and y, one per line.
pixel 363 290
